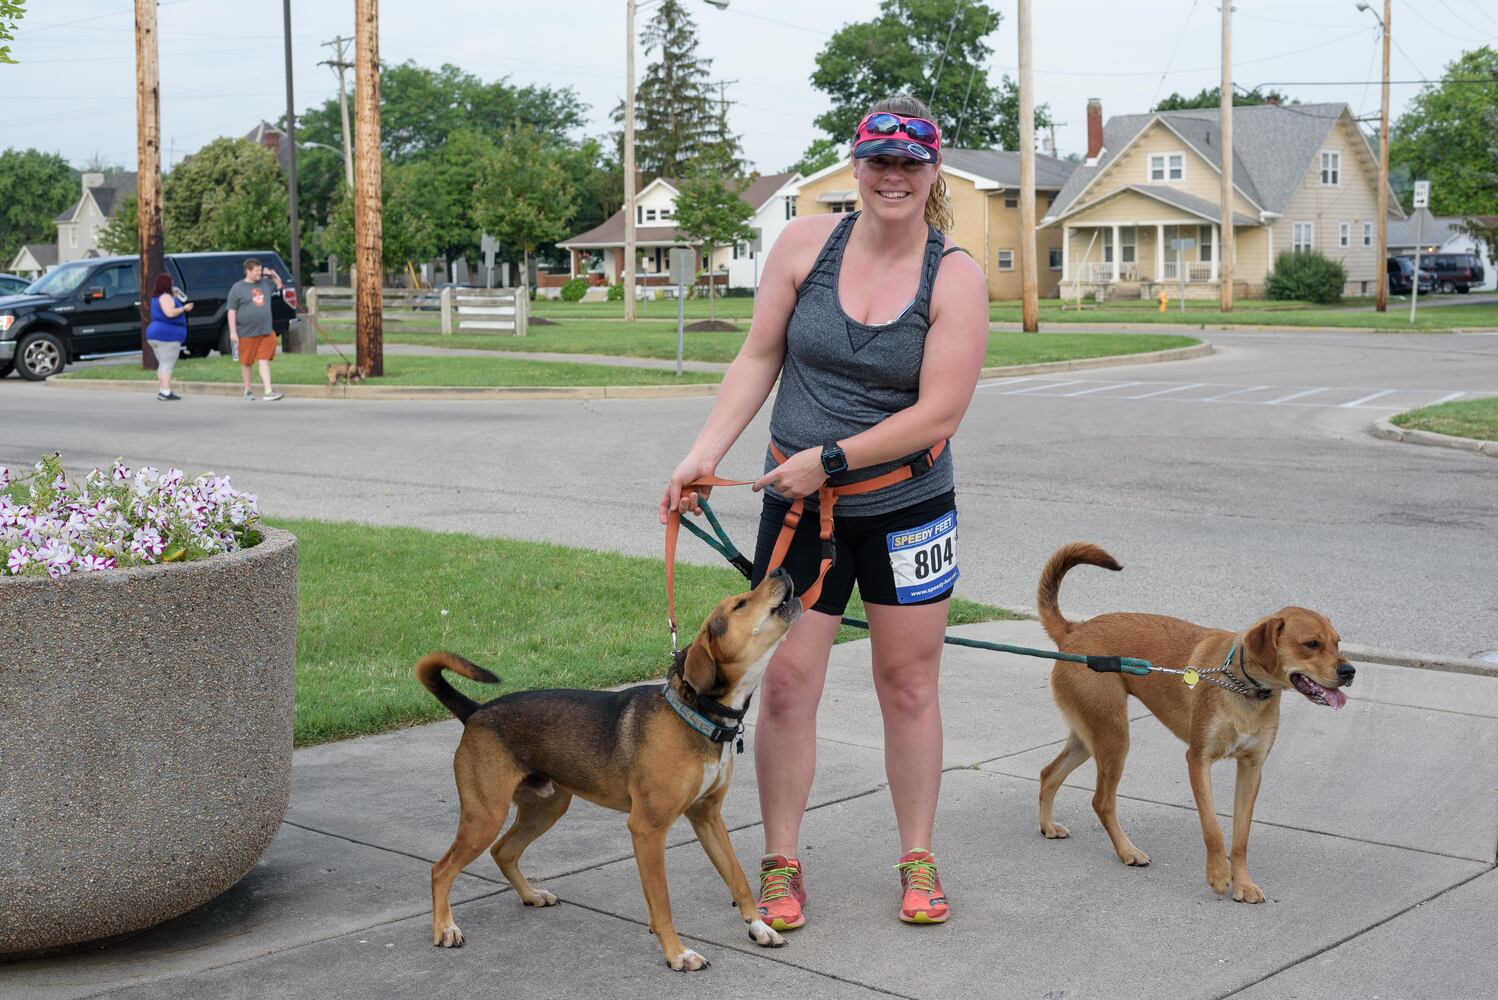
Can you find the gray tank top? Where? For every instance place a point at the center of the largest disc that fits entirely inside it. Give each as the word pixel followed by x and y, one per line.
pixel 841 377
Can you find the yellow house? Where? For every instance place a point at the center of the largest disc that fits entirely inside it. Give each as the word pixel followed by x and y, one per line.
pixel 1144 211
pixel 984 186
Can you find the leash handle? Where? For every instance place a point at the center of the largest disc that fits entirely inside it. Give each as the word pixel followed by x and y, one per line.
pixel 673 532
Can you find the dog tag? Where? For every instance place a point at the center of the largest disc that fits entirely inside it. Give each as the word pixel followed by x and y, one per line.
pixel 1191 677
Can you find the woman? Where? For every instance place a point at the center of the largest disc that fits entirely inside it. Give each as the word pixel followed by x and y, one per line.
pixel 876 331
pixel 167 332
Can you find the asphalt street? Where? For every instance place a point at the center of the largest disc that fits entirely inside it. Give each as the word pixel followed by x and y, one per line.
pixel 1229 485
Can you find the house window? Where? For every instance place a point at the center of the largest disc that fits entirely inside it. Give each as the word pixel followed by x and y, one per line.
pixel 73 237
pixel 1331 167
pixel 1344 234
pixel 1301 237
pixel 639 214
pixel 840 206
pixel 1055 258
pixel 1167 166
pixel 667 213
pixel 1006 260
pixel 1126 240
pixel 1011 199
pixel 790 208
pixel 1367 234
pixel 649 215
pixel 1204 244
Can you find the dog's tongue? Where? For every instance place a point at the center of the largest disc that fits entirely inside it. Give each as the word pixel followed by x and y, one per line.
pixel 1336 699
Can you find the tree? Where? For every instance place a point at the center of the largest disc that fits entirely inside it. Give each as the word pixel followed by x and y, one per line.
pixel 34 188
pixel 10 14
pixel 407 230
pixel 1447 137
pixel 445 183
pixel 1211 98
pixel 821 154
pixel 523 196
pixel 710 210
pixel 677 120
pixel 228 195
pixel 929 48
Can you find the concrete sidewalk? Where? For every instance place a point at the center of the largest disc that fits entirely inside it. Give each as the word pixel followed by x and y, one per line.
pixel 1374 840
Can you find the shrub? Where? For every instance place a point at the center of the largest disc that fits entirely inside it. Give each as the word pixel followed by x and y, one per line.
pixel 1306 276
pixel 574 289
pixel 616 292
pixel 737 293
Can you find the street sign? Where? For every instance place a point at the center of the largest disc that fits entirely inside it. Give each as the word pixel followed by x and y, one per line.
pixel 683 266
pixel 1182 244
pixel 1422 194
pixel 757 241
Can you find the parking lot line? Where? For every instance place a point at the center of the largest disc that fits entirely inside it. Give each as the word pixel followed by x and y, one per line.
pixel 1295 395
pixel 1369 398
pixel 1161 392
pixel 1100 388
pixel 1047 385
pixel 1235 392
pixel 1447 398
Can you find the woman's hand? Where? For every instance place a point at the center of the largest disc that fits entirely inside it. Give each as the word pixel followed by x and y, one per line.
pixel 691 469
pixel 187 307
pixel 798 476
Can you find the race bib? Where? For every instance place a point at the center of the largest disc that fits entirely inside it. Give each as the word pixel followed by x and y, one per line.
pixel 924 559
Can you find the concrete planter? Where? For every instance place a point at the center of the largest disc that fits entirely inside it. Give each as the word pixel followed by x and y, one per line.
pixel 145 740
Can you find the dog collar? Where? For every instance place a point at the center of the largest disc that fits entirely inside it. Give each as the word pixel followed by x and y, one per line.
pixel 707 727
pixel 1229 680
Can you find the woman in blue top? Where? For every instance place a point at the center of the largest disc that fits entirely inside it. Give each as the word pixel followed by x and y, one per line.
pixel 167 332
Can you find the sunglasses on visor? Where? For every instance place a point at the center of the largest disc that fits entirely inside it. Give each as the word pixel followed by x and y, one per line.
pixel 885 123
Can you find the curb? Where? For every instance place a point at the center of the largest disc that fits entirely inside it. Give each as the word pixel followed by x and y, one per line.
pixel 1054 327
pixel 580 391
pixel 1386 657
pixel 1389 431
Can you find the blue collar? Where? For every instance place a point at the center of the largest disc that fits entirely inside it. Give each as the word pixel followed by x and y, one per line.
pixel 701 723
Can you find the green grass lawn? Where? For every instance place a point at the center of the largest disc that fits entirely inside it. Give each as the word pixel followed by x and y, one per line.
pixel 374 600
pixel 650 339
pixel 406 369
pixel 1475 418
pixel 1259 312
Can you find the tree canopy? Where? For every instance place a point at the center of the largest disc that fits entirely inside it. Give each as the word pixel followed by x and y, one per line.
pixel 35 187
pixel 523 196
pixel 230 193
pixel 1211 97
pixel 934 50
pixel 10 13
pixel 1449 136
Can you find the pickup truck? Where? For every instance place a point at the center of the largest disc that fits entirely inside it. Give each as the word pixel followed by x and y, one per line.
pixel 88 307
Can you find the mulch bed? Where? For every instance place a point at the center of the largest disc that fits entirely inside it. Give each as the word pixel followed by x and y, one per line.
pixel 541 321
pixel 710 326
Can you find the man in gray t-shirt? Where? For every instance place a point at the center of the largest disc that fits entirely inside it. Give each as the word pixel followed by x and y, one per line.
pixel 250 328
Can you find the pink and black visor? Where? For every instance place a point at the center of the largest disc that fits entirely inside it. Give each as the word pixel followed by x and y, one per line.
pixel 886 134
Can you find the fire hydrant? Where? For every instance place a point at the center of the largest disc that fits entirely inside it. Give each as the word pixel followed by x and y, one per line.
pixel 1164 299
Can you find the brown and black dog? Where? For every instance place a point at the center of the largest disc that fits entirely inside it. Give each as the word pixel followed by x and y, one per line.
pixel 346 373
pixel 627 750
pixel 1292 649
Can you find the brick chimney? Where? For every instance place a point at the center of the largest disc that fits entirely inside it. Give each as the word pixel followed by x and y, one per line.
pixel 1094 128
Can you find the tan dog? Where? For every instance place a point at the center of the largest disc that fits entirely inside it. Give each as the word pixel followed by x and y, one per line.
pixel 1292 649
pixel 628 750
pixel 345 373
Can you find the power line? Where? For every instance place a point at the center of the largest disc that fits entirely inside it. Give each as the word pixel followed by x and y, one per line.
pixel 956 12
pixel 1174 49
pixel 962 118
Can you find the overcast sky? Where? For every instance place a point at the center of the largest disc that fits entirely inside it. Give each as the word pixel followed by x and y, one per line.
pixel 222 65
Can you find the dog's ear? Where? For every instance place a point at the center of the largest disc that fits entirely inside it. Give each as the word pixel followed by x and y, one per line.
pixel 698 668
pixel 1262 642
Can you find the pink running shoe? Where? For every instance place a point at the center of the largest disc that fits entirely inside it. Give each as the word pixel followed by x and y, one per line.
pixel 923 901
pixel 782 892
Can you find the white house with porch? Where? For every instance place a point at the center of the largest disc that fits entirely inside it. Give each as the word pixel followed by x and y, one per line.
pixel 1304 178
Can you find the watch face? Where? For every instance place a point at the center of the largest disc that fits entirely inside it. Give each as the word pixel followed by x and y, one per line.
pixel 833 460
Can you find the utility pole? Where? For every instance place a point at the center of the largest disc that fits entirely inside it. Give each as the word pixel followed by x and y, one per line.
pixel 1053 140
pixel 1030 307
pixel 1225 115
pixel 628 277
pixel 368 242
pixel 296 226
pixel 148 164
pixel 1381 299
pixel 339 64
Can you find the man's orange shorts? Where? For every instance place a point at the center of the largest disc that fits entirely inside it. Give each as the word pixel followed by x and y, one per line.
pixel 253 349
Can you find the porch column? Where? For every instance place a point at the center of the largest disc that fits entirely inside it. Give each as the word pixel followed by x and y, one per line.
pixel 1117 248
pixel 1065 253
pixel 1159 251
pixel 1216 250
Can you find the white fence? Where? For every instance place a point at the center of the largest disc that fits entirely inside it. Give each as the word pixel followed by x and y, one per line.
pixel 503 311
pixel 1095 272
pixel 1195 271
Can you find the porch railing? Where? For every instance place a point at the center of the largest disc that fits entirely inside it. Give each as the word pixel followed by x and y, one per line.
pixel 1101 272
pixel 1195 271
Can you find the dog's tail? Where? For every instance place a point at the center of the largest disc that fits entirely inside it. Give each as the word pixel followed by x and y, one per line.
pixel 429 672
pixel 1056 625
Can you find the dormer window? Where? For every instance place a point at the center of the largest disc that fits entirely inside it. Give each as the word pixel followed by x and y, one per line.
pixel 1331 168
pixel 1167 166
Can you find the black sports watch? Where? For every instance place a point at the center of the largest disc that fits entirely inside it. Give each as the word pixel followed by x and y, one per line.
pixel 834 462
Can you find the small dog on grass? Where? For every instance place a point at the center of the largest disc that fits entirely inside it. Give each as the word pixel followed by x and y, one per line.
pixel 348 374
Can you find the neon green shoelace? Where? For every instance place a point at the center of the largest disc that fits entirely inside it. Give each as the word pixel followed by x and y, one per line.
pixel 919 875
pixel 775 883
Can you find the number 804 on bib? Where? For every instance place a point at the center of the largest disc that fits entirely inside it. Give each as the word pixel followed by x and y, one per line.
pixel 924 559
